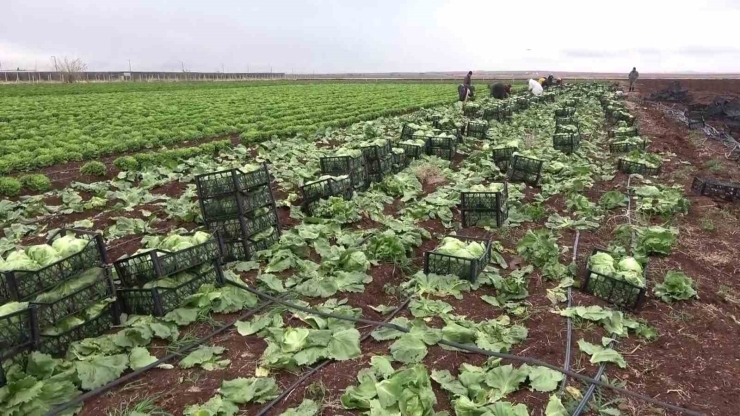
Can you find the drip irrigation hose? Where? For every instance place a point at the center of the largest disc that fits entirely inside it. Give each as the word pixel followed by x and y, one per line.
pixel 323 364
pixel 130 376
pixel 602 368
pixel 569 339
pixel 469 348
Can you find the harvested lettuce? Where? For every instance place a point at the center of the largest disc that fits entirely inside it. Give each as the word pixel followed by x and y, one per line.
pixel 12 307
pixel 43 254
pixel 69 245
pixel 87 278
pixel 454 247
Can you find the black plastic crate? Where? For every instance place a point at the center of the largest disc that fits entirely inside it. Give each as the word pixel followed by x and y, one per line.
pixel 238 203
pixel 623 116
pixel 442 152
pixel 158 301
pixel 479 205
pixel 325 188
pixel 244 248
pixel 412 151
pixel 471 111
pixel 715 189
pixel 23 285
pixel 525 169
pixel 242 227
pixel 376 152
pixel 442 142
pixel 50 313
pixel 614 291
pixel 564 121
pixel 340 165
pixel 56 345
pixel 498 113
pixel 400 161
pixel 407 132
pixel 627 147
pixel 468 269
pixel 615 134
pixel 142 268
pixel 18 333
pixel 215 184
pixel 566 142
pixel 477 129
pixel 695 119
pixel 380 166
pixel 565 112
pixel 629 167
pixel 502 157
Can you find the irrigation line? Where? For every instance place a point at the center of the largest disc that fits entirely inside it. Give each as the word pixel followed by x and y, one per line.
pixel 128 377
pixel 469 348
pixel 602 368
pixel 569 340
pixel 323 364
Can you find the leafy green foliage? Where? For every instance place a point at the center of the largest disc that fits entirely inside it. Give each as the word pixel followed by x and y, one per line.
pixel 661 200
pixel 539 247
pixel 614 322
pixel 676 286
pixel 249 390
pixel 307 407
pixel 36 182
pixel 94 168
pixel 655 240
pixel 613 199
pixel 126 164
pixel 601 354
pixel 9 186
pixel 207 357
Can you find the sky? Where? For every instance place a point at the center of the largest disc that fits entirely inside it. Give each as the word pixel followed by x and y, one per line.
pixel 335 36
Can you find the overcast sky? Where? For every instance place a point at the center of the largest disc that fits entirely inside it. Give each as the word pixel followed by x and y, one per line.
pixel 374 36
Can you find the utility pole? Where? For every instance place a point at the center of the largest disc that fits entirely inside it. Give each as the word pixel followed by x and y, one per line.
pixel 129 65
pixel 183 66
pixel 56 68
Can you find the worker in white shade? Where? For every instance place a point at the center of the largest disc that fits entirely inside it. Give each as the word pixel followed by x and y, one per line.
pixel 535 87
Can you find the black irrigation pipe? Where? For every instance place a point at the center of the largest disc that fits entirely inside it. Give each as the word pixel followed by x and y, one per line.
pixel 323 364
pixel 130 376
pixel 569 339
pixel 468 348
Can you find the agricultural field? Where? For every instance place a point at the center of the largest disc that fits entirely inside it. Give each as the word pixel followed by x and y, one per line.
pixel 41 130
pixel 533 256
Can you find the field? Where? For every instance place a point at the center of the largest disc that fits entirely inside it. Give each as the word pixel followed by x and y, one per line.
pixel 347 265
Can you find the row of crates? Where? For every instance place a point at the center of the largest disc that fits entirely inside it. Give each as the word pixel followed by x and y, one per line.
pixel 240 207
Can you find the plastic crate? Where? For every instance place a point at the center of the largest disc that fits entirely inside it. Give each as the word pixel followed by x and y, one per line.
pixel 715 189
pixel 158 301
pixel 340 165
pixel 18 333
pixel 564 121
pixel 477 129
pixel 407 132
pixel 244 249
pixel 22 285
pixel 614 291
pixel 380 166
pixel 242 227
pixel 502 157
pixel 566 142
pixel 238 203
pixel 627 147
pixel 56 345
pixel 412 151
pixel 695 119
pixel 525 169
pixel 140 269
pixel 221 183
pixel 50 313
pixel 629 167
pixel 375 152
pixel 476 206
pixel 325 188
pixel 565 112
pixel 471 111
pixel 615 134
pixel 468 269
pixel 400 161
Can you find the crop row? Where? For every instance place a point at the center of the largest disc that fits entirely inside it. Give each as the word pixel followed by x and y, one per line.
pixel 41 131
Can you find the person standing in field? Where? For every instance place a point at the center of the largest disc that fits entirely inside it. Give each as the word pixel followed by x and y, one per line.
pixel 467 80
pixel 535 87
pixel 633 78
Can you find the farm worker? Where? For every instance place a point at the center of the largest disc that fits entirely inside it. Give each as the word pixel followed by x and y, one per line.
pixel 559 82
pixel 466 81
pixel 465 92
pixel 535 87
pixel 633 78
pixel 500 91
pixel 549 81
pixel 542 81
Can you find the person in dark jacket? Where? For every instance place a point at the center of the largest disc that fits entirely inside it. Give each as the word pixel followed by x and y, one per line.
pixel 466 81
pixel 633 78
pixel 500 91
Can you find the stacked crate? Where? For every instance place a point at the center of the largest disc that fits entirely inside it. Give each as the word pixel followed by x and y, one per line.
pixel 141 291
pixel 38 326
pixel 354 167
pixel 477 128
pixel 525 169
pixel 239 206
pixel 313 192
pixel 442 147
pixel 464 268
pixel 378 160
